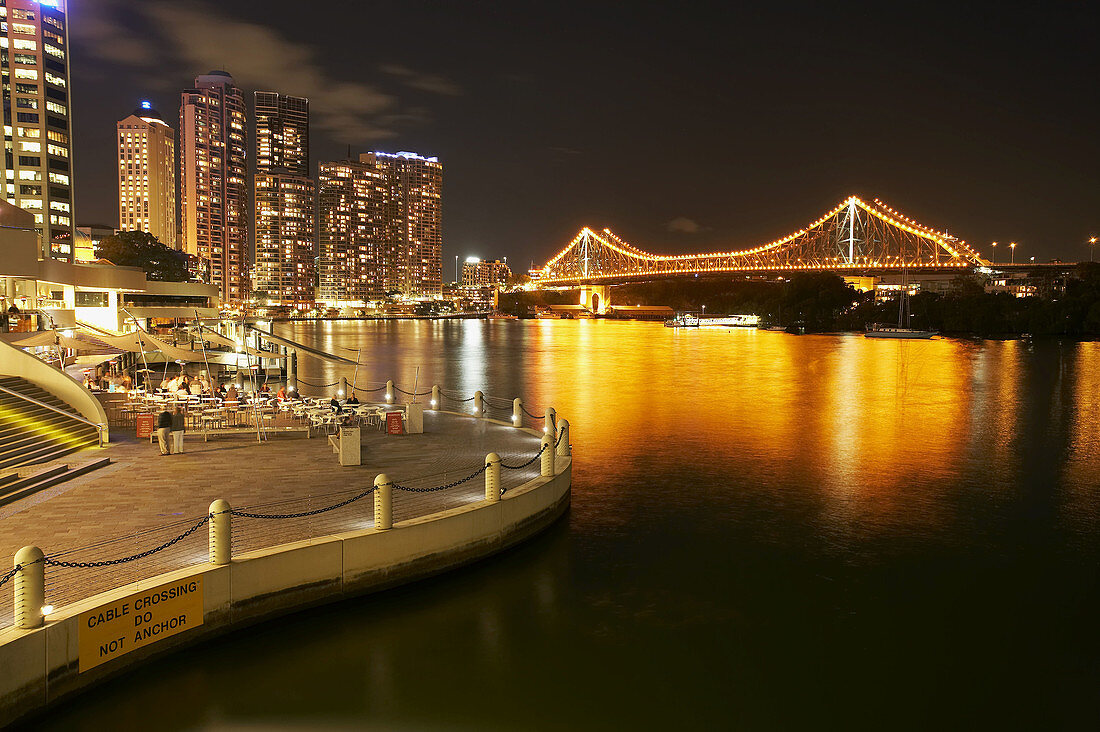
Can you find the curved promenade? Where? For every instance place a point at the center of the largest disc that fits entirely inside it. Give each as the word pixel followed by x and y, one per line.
pixel 221 583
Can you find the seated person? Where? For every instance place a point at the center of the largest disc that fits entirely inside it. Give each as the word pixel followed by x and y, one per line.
pixel 335 404
pixel 352 399
pixel 281 394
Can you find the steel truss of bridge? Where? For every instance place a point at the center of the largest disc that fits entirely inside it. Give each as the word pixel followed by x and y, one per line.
pixel 856 236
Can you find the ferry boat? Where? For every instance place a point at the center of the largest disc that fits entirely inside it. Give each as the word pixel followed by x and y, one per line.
pixel 731 321
pixel 683 320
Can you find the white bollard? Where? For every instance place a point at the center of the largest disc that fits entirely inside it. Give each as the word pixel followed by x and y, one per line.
pixel 343 388
pixel 563 438
pixel 389 392
pixel 548 456
pixel 437 398
pixel 517 412
pixel 548 421
pixel 479 404
pixel 492 477
pixel 221 541
pixel 383 502
pixel 30 587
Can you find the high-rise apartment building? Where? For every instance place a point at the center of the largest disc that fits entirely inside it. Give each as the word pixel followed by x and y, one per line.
pixel 213 182
pixel 283 195
pixel 413 220
pixel 34 66
pixel 485 273
pixel 381 227
pixel 349 204
pixel 147 175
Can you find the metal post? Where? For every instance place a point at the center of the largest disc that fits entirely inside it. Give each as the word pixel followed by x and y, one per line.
pixel 389 391
pixel 292 371
pixel 517 411
pixel 564 449
pixel 479 403
pixel 437 401
pixel 383 502
pixel 492 477
pixel 30 587
pixel 344 387
pixel 221 543
pixel 548 421
pixel 547 456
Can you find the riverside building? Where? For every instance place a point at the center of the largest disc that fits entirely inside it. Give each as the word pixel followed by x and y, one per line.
pixel 213 182
pixel 34 50
pixel 283 195
pixel 485 273
pixel 147 175
pixel 380 220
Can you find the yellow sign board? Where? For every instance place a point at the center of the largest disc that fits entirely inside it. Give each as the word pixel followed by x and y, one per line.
pixel 139 620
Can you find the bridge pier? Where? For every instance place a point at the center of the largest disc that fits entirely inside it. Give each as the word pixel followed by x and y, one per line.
pixel 596 298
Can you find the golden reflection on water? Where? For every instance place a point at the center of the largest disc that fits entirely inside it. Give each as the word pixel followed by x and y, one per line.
pixel 877 432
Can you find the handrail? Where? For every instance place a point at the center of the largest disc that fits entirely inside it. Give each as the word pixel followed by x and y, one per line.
pixel 98 427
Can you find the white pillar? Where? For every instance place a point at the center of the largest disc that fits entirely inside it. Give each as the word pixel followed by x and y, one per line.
pixel 517 412
pixel 344 387
pixel 437 398
pixel 292 371
pixel 30 587
pixel 479 404
pixel 548 456
pixel 548 421
pixel 389 392
pixel 221 541
pixel 492 477
pixel 383 502
pixel 563 438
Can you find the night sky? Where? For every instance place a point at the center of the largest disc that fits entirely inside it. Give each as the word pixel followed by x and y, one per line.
pixel 681 126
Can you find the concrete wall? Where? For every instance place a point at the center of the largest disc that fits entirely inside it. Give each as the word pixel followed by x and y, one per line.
pixel 17 362
pixel 41 665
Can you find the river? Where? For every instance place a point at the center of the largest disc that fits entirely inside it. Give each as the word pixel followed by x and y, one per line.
pixel 767 531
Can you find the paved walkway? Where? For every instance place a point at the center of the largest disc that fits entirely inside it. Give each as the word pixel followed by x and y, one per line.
pixel 143 499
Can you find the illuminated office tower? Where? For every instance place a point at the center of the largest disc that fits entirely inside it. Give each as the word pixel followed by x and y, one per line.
pixel 283 195
pixel 412 238
pixel 147 175
pixel 348 227
pixel 34 64
pixel 485 273
pixel 213 182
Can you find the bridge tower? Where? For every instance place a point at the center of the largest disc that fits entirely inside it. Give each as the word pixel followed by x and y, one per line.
pixel 596 298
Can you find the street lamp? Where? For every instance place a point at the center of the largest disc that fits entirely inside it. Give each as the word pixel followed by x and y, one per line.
pixel 1092 246
pixel 994 252
pixel 1012 246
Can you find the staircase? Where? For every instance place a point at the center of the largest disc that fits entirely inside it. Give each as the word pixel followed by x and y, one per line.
pixel 31 433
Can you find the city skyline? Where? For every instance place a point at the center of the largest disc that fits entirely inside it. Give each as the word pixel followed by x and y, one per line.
pixel 748 142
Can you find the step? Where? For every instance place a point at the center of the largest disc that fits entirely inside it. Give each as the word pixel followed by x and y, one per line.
pixel 43 454
pixel 46 479
pixel 10 402
pixel 52 421
pixel 28 453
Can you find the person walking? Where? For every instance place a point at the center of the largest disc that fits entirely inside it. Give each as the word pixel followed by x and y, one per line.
pixel 164 426
pixel 179 425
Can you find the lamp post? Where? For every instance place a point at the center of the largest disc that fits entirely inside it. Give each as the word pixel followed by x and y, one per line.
pixel 1012 246
pixel 994 252
pixel 1092 246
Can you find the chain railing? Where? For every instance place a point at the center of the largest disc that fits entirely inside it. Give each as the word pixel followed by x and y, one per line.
pixel 68 593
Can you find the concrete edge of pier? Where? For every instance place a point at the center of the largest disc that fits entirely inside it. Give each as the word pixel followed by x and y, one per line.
pixel 41 665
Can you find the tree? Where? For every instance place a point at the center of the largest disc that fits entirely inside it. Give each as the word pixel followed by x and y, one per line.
pixel 141 249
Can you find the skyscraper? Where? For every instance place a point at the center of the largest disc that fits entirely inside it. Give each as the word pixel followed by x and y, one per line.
pixel 380 227
pixel 349 227
pixel 213 182
pixel 283 194
pixel 34 51
pixel 413 220
pixel 147 175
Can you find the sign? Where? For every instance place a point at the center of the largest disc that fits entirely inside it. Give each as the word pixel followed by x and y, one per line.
pixel 145 424
pixel 139 620
pixel 394 425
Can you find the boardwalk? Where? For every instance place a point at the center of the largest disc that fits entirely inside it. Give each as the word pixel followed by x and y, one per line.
pixel 143 500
